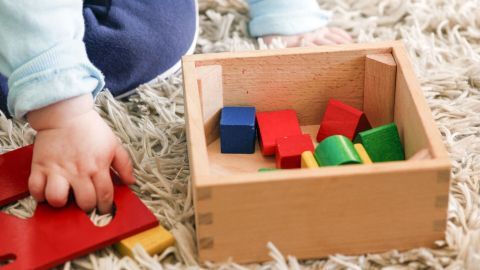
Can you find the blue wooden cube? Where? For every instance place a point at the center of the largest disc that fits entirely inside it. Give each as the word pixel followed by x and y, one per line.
pixel 237 130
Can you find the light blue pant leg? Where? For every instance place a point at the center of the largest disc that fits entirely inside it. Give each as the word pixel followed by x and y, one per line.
pixel 285 17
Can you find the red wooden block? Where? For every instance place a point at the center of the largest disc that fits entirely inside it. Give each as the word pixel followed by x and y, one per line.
pixel 53 236
pixel 342 119
pixel 273 125
pixel 290 149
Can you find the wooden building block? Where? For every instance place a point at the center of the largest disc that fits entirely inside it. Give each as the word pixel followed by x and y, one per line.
pixel 308 160
pixel 267 169
pixel 336 150
pixel 290 149
pixel 341 119
pixel 379 89
pixel 382 143
pixel 154 241
pixel 362 153
pixel 273 125
pixel 237 130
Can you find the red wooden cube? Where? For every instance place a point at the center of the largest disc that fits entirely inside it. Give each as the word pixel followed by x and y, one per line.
pixel 342 119
pixel 290 149
pixel 273 125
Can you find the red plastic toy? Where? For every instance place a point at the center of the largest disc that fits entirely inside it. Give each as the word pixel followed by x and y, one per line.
pixel 53 236
pixel 273 125
pixel 342 119
pixel 290 149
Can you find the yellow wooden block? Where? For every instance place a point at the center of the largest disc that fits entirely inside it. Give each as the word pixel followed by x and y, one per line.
pixel 308 160
pixel 153 241
pixel 362 153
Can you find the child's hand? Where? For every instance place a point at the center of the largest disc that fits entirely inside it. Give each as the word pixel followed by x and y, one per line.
pixel 74 147
pixel 321 36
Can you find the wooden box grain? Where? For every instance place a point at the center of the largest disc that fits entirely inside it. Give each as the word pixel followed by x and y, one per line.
pixel 351 209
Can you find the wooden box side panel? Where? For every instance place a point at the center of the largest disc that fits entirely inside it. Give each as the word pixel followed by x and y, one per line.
pixel 319 216
pixel 210 89
pixel 412 114
pixel 196 141
pixel 303 82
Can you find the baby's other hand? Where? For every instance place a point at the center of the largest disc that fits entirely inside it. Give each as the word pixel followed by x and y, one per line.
pixel 74 147
pixel 321 36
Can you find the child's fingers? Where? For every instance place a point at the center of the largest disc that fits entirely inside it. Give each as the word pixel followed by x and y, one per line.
pixel 307 43
pixel 36 184
pixel 56 190
pixel 320 40
pixel 123 166
pixel 85 194
pixel 341 33
pixel 336 38
pixel 104 189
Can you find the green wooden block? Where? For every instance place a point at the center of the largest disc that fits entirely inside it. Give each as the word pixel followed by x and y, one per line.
pixel 336 150
pixel 382 143
pixel 267 169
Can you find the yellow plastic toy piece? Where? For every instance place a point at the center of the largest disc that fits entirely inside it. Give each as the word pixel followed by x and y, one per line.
pixel 153 241
pixel 362 153
pixel 308 160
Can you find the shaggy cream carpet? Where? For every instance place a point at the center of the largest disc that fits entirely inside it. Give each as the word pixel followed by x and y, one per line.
pixel 443 39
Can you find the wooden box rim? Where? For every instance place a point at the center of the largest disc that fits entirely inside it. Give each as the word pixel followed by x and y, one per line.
pixel 198 146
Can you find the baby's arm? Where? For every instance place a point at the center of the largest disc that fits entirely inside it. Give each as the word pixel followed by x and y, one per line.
pixel 52 84
pixel 295 22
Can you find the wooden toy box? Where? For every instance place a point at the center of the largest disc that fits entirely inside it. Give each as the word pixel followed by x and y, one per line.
pixel 312 213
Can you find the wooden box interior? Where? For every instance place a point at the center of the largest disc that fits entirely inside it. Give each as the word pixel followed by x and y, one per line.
pixel 304 83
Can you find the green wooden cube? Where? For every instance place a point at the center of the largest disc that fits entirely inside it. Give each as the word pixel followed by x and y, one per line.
pixel 382 143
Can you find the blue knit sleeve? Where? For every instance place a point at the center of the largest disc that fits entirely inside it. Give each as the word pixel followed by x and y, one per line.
pixel 285 17
pixel 43 55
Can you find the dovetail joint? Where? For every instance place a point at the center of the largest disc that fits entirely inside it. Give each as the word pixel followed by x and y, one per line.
pixel 205 219
pixel 206 243
pixel 439 225
pixel 204 194
pixel 441 201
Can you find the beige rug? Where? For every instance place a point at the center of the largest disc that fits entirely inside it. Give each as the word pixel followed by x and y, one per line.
pixel 443 39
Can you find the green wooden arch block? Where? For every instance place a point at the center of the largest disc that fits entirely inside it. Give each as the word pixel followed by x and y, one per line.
pixel 267 169
pixel 382 143
pixel 336 150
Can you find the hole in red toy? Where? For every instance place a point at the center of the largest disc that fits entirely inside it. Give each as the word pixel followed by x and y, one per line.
pixel 102 220
pixel 23 208
pixel 7 259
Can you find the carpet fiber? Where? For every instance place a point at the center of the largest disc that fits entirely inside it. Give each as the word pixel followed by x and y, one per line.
pixel 443 40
